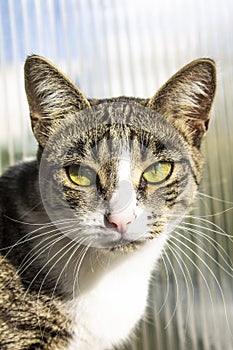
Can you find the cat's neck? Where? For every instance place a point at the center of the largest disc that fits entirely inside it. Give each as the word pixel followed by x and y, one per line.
pixel 113 290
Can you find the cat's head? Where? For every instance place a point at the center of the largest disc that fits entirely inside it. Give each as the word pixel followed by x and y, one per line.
pixel 119 171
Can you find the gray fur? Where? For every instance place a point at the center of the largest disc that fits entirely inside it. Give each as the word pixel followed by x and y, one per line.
pixel 69 129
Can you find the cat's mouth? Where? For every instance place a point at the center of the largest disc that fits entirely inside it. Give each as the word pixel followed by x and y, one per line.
pixel 124 243
pixel 111 240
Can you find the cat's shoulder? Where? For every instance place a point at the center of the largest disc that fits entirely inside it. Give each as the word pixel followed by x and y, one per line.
pixel 17 182
pixel 17 175
pixel 28 165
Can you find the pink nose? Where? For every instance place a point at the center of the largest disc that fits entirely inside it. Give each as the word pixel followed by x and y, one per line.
pixel 121 222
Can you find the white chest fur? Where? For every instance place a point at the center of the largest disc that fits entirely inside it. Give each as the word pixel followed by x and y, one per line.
pixel 106 313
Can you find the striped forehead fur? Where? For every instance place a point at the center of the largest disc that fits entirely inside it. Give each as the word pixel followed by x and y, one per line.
pixel 102 143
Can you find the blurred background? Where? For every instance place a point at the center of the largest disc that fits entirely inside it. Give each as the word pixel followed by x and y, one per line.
pixel 132 47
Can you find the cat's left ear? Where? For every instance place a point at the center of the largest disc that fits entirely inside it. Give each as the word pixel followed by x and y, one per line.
pixel 51 96
pixel 186 99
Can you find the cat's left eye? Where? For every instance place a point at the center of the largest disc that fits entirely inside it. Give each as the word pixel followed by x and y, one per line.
pixel 81 175
pixel 157 172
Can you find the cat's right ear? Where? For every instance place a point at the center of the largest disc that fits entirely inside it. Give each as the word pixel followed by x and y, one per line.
pixel 51 96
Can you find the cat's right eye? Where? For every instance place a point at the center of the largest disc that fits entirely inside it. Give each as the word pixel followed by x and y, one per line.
pixel 81 175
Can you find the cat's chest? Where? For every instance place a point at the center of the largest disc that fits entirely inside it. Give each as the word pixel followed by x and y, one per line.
pixel 105 314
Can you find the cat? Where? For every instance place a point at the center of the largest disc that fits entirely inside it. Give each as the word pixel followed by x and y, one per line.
pixel 83 225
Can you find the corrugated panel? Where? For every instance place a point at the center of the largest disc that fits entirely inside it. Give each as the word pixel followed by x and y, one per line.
pixel 111 48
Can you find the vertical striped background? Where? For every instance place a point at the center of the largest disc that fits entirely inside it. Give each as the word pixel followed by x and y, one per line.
pixel 131 47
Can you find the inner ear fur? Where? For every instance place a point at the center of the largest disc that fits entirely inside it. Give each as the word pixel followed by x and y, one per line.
pixel 186 99
pixel 51 95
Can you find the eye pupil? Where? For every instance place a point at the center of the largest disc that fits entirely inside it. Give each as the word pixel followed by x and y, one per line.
pixel 157 172
pixel 81 175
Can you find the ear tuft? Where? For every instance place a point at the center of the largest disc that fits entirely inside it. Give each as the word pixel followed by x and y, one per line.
pixel 51 95
pixel 187 97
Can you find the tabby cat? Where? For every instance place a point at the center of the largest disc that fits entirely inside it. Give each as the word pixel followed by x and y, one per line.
pixel 82 226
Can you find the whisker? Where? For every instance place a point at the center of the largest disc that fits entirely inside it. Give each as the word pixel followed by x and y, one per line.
pixel 49 223
pixel 66 249
pixel 31 209
pixel 26 222
pixel 213 242
pixel 203 220
pixel 167 283
pixel 74 244
pixel 190 300
pixel 202 275
pixel 48 247
pixel 202 227
pixel 212 215
pixel 21 240
pixel 43 247
pixel 78 266
pixel 214 198
pixel 177 290
pixel 24 238
pixel 208 254
pixel 26 263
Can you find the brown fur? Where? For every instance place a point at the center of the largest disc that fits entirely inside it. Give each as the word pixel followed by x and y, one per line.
pixel 32 314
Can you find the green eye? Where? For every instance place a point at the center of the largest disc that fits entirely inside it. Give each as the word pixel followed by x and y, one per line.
pixel 81 175
pixel 157 172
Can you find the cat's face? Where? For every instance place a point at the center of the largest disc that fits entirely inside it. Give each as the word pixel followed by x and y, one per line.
pixel 122 171
pixel 119 180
